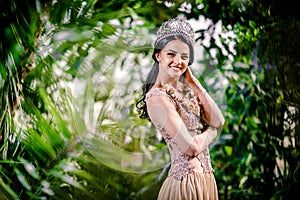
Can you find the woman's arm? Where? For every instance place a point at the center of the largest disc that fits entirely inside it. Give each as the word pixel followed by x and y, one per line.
pixel 213 115
pixel 163 115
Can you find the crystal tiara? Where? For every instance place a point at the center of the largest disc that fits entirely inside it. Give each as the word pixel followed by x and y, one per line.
pixel 175 26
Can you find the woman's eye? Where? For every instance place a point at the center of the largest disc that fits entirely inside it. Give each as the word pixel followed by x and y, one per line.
pixel 183 57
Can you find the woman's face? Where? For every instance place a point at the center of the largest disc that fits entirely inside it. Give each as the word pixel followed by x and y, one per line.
pixel 173 58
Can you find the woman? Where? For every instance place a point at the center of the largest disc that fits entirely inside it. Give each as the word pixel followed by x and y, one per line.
pixel 182 112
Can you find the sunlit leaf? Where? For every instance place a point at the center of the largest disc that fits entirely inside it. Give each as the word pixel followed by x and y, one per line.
pixel 22 178
pixel 46 188
pixel 30 168
pixel 228 150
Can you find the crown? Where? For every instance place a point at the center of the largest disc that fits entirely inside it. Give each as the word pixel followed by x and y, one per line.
pixel 175 26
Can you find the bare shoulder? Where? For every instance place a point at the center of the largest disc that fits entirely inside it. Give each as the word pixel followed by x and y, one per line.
pixel 158 96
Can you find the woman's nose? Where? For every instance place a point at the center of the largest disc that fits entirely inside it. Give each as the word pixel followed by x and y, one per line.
pixel 177 58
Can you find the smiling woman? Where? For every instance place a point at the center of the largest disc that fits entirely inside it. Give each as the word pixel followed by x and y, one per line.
pixel 182 112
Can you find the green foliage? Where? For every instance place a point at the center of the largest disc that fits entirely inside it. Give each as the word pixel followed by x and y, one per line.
pixel 56 145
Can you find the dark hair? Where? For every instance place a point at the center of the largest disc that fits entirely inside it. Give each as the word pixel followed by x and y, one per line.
pixel 151 78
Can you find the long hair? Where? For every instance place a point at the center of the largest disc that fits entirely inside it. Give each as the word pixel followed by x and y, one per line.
pixel 152 76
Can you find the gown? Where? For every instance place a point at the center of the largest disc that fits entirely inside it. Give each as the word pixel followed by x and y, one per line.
pixel 189 178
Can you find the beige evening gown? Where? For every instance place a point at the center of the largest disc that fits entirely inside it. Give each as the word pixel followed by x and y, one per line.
pixel 189 178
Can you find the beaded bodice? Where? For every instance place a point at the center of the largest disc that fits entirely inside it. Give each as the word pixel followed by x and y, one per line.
pixel 189 110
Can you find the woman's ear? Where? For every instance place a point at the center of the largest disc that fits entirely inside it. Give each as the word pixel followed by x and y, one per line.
pixel 157 57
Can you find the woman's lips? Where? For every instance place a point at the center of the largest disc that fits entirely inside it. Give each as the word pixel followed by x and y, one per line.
pixel 176 68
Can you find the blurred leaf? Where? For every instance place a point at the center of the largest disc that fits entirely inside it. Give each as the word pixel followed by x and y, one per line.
pixel 30 168
pixel 22 178
pixel 228 150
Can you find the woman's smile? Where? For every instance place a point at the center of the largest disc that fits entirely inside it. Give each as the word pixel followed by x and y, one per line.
pixel 176 68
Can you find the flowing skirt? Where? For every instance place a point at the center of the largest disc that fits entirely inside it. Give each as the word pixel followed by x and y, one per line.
pixel 195 186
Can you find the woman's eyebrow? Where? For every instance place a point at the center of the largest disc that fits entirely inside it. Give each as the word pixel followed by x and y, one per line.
pixel 176 52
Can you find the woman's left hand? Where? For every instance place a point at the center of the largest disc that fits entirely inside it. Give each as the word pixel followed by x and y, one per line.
pixel 189 77
pixel 193 82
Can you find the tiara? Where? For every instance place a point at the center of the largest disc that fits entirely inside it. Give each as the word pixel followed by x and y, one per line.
pixel 175 26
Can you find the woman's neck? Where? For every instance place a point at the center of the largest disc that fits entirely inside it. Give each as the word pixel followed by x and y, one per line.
pixel 161 82
pixel 165 79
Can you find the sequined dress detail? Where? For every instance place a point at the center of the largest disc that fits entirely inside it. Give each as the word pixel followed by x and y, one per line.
pixel 189 110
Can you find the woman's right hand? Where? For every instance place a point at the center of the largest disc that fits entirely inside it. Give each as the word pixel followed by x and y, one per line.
pixel 202 141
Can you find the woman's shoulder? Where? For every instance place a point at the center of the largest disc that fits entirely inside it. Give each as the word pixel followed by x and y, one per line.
pixel 158 92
